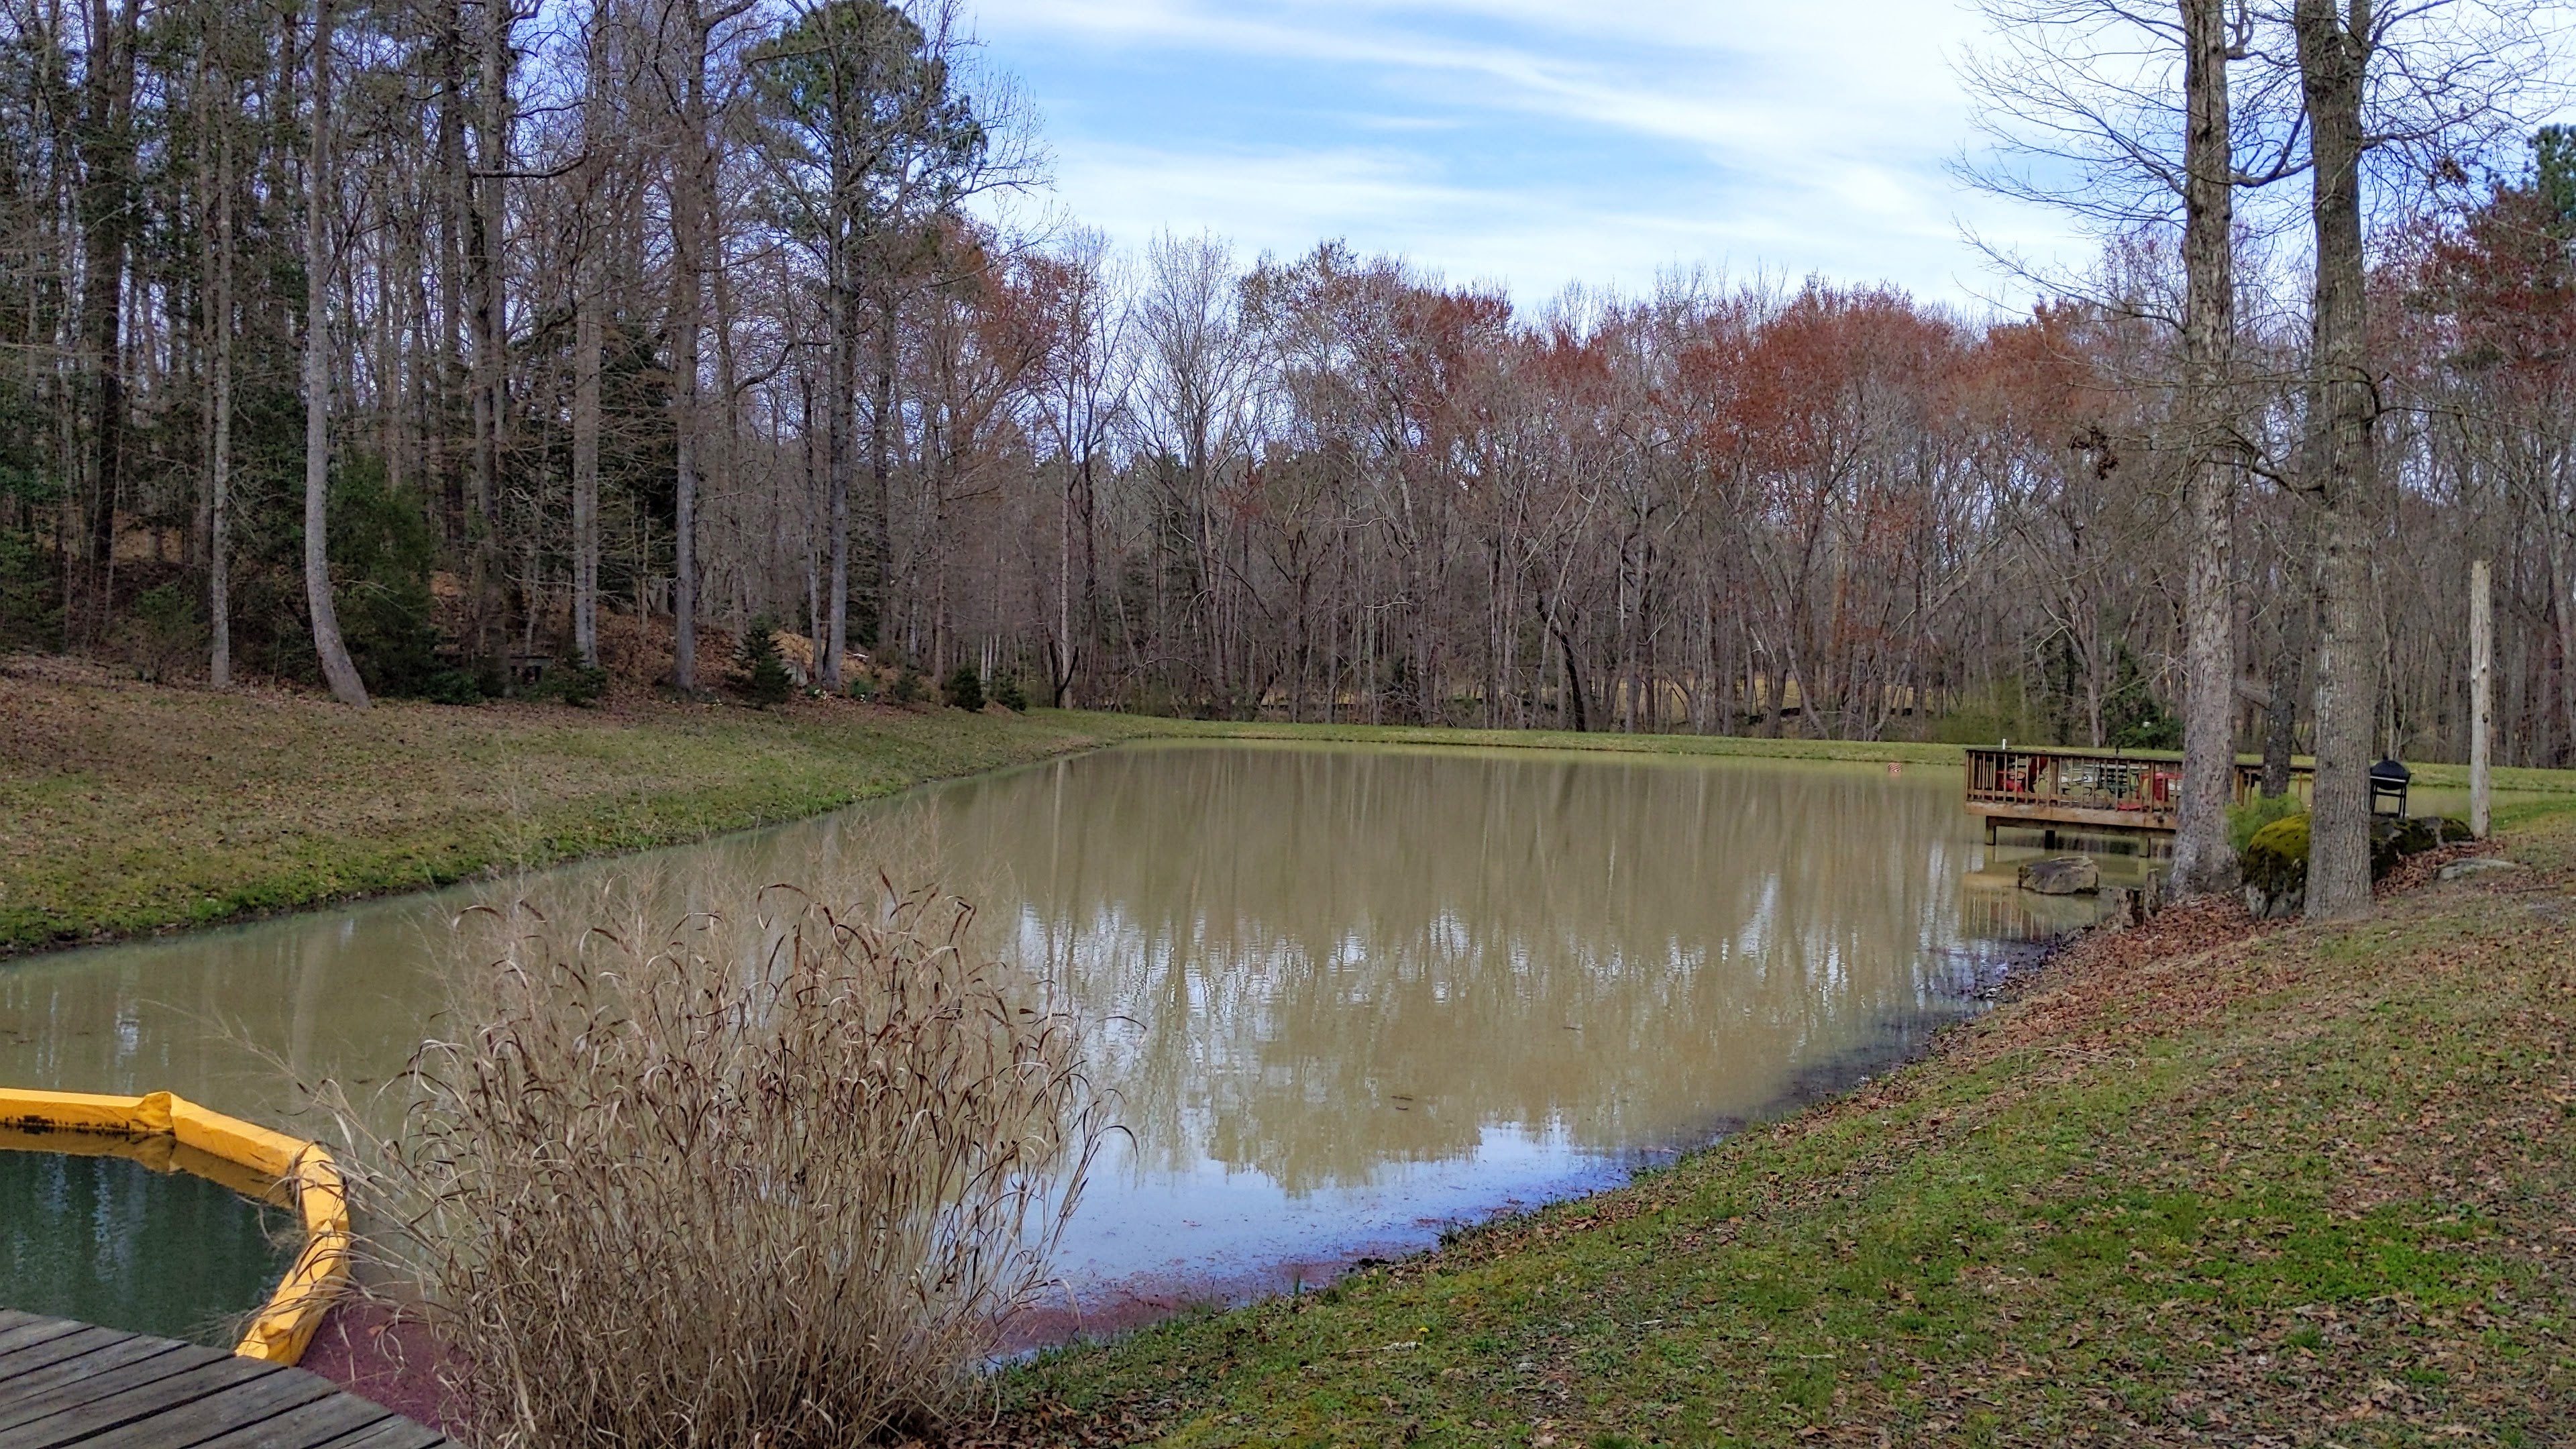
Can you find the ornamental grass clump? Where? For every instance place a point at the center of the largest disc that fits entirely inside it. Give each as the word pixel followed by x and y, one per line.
pixel 718 1186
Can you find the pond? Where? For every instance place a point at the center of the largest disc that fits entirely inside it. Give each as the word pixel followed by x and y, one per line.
pixel 109 1240
pixel 1347 996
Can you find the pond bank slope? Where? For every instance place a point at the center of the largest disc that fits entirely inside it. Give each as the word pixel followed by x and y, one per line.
pixel 128 807
pixel 2201 1182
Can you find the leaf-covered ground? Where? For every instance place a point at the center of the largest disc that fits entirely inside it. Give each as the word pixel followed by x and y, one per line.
pixel 2202 1182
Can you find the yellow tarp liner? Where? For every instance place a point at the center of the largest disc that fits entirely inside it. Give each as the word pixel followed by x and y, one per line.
pixel 167 1133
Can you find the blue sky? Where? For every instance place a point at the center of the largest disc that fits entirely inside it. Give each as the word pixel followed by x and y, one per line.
pixel 1528 142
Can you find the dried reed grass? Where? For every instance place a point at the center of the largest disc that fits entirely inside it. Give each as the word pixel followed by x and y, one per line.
pixel 769 1181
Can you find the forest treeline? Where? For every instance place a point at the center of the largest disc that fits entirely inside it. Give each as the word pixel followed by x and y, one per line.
pixel 538 331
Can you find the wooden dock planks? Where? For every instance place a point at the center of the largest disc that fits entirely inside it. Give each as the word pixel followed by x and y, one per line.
pixel 64 1384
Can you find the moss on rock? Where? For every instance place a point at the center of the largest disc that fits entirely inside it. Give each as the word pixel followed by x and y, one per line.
pixel 2275 867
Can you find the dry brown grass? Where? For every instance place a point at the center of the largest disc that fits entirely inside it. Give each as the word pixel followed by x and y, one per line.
pixel 772 1180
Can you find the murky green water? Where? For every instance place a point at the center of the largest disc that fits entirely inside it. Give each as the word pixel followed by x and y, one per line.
pixel 110 1241
pixel 1346 995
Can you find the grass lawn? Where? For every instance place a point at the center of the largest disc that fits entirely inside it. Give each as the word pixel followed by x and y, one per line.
pixel 127 807
pixel 2203 1182
pixel 2510 781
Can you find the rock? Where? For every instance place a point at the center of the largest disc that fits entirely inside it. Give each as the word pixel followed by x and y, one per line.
pixel 2478 865
pixel 2393 839
pixel 2265 905
pixel 2061 875
pixel 2275 866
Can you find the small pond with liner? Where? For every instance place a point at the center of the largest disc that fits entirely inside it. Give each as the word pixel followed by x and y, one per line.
pixel 104 1238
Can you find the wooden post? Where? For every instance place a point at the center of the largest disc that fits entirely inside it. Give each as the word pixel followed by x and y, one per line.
pixel 2481 693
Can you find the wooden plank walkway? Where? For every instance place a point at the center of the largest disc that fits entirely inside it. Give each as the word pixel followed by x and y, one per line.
pixel 64 1383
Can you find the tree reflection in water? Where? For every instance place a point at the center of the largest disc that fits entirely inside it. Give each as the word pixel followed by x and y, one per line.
pixel 1343 993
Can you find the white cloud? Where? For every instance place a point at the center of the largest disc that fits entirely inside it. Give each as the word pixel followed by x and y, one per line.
pixel 1783 136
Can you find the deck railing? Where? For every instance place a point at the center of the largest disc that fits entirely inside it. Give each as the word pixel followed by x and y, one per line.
pixel 2101 787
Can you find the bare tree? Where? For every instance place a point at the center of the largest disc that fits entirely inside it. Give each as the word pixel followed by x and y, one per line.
pixel 2203 859
pixel 691 180
pixel 2138 99
pixel 1088 378
pixel 2422 83
pixel 219 324
pixel 1196 396
pixel 320 201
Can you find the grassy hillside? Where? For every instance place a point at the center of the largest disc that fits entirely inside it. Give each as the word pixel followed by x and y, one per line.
pixel 2205 1181
pixel 127 807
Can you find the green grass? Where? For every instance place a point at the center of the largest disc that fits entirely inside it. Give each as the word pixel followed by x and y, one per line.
pixel 2508 781
pixel 1730 746
pixel 127 808
pixel 2297 1185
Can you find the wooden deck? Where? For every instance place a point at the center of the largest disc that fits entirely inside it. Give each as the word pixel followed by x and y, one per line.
pixel 65 1383
pixel 2090 790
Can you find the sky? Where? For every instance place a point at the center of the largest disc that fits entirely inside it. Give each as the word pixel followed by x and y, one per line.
pixel 1526 143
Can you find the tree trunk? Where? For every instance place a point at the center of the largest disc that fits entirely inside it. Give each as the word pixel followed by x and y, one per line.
pixel 590 280
pixel 687 216
pixel 457 514
pixel 2339 467
pixel 219 451
pixel 2562 611
pixel 1060 667
pixel 491 325
pixel 2481 694
pixel 106 206
pixel 2204 863
pixel 318 186
pixel 877 570
pixel 1573 682
pixel 840 443
pixel 2289 672
pixel 585 457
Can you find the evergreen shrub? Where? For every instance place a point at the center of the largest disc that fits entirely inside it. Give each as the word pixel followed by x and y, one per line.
pixel 578 685
pixel 765 677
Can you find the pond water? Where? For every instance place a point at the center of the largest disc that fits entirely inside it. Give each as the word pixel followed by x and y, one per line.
pixel 1347 996
pixel 111 1241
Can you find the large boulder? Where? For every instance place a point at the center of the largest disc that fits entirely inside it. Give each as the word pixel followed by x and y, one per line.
pixel 2275 861
pixel 2275 868
pixel 2061 875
